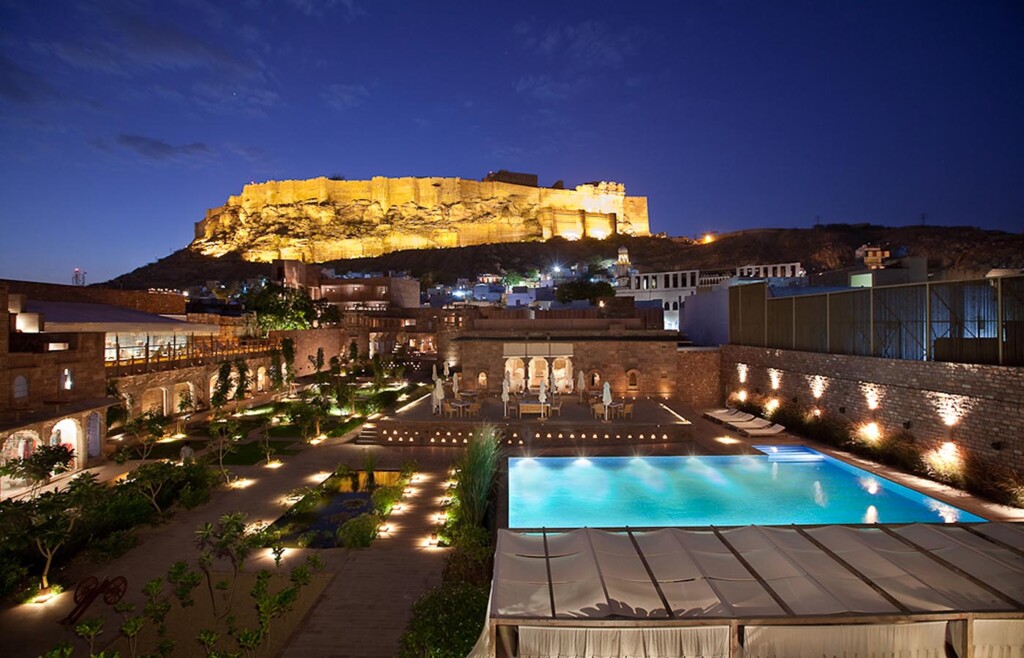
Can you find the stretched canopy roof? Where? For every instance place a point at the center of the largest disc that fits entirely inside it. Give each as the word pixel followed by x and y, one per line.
pixel 760 572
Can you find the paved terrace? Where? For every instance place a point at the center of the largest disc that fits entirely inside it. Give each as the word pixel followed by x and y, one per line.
pixel 653 420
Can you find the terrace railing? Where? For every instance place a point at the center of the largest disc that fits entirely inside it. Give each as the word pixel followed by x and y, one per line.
pixel 972 321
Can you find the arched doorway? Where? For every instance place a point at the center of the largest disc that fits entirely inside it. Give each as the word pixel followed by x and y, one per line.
pixel 515 370
pixel 481 381
pixel 261 379
pixel 562 369
pixel 184 399
pixel 67 432
pixel 153 400
pixel 19 445
pixel 538 371
pixel 93 429
pixel 594 380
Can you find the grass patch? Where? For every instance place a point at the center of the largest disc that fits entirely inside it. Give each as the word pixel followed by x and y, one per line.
pixel 248 454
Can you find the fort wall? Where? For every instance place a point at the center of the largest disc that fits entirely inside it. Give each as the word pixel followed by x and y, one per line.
pixel 320 219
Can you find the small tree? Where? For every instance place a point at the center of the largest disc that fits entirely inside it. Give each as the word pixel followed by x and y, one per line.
pixel 38 467
pixel 150 479
pixel 224 433
pixel 288 354
pixel 244 382
pixel 276 375
pixel 227 540
pixel 147 430
pixel 53 515
pixel 265 443
pixel 353 351
pixel 222 389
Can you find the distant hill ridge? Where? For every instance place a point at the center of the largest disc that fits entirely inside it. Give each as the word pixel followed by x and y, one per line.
pixel 961 251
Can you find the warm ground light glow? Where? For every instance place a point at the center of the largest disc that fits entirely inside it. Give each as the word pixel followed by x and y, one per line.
pixel 242 483
pixel 708 238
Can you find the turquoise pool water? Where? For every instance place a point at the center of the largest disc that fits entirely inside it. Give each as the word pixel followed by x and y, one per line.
pixel 793 484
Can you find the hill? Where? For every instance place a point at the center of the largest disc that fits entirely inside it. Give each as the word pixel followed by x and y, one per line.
pixel 958 251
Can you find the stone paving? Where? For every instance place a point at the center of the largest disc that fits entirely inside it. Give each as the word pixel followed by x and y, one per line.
pixel 374 587
pixel 364 610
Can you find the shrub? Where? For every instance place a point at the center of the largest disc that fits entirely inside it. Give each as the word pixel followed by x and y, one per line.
pixel 113 545
pixel 446 622
pixel 384 498
pixel 358 532
pixel 477 468
pixel 470 558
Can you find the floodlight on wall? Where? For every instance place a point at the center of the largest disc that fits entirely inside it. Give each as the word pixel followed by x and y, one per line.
pixel 818 385
pixel 741 372
pixel 775 375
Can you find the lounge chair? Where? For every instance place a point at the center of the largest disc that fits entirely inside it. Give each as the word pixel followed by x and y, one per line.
pixel 764 431
pixel 737 417
pixel 718 414
pixel 756 424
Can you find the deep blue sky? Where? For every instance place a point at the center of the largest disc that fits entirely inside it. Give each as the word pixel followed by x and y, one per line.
pixel 121 122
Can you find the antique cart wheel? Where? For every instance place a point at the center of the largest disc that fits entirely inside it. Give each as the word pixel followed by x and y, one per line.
pixel 116 588
pixel 85 588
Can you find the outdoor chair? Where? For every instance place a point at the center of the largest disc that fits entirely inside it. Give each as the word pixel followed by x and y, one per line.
pixel 556 408
pixel 598 410
pixel 764 431
pixel 448 409
pixel 755 424
pixel 474 409
pixel 627 410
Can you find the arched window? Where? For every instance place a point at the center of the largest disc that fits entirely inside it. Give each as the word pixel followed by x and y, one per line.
pixel 20 386
pixel 481 380
pixel 594 379
pixel 633 380
pixel 675 306
pixel 666 306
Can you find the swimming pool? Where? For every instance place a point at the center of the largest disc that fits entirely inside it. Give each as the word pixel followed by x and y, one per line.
pixel 788 484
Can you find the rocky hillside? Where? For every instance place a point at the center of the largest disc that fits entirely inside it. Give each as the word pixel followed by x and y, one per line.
pixel 959 251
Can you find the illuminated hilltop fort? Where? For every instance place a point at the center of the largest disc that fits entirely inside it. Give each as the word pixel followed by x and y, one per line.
pixel 322 219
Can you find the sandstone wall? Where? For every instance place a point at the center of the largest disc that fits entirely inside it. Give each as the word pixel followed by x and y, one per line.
pixel 320 219
pixel 988 399
pixel 333 341
pixel 161 303
pixel 698 372
pixel 612 359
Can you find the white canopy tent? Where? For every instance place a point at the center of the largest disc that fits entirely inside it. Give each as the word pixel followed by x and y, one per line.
pixel 777 591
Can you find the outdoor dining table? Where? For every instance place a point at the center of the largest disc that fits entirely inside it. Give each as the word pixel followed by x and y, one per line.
pixel 533 407
pixel 461 406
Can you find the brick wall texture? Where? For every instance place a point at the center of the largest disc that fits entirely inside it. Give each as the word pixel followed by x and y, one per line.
pixel 988 399
pixel 334 341
pixel 698 382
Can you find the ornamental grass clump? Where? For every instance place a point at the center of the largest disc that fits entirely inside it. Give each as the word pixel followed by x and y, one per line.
pixel 477 468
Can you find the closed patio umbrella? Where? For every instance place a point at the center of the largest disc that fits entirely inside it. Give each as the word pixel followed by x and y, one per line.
pixel 446 370
pixel 606 398
pixel 433 373
pixel 504 395
pixel 581 385
pixel 554 389
pixel 455 384
pixel 438 393
pixel 543 395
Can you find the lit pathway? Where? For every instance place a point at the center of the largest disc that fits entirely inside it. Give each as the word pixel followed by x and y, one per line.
pixel 386 578
pixel 364 611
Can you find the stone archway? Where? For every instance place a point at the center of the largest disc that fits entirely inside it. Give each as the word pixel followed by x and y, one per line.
pixel 261 379
pixel 19 445
pixel 538 371
pixel 595 380
pixel 68 432
pixel 154 399
pixel 633 381
pixel 515 370
pixel 180 396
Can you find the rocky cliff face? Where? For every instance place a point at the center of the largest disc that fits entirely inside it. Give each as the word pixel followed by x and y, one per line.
pixel 320 220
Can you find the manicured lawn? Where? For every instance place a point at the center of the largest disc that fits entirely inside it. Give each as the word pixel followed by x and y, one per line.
pixel 248 454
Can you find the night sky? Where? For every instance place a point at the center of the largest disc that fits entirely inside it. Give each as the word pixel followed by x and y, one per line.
pixel 121 122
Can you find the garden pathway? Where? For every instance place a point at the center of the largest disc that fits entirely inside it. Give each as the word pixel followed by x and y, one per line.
pixel 363 578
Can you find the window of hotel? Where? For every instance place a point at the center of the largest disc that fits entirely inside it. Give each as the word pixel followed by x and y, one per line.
pixel 675 280
pixel 66 382
pixel 675 306
pixel 20 386
pixel 481 380
pixel 666 306
pixel 633 380
pixel 666 281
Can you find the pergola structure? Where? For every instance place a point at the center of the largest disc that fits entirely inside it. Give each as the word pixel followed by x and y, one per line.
pixel 916 590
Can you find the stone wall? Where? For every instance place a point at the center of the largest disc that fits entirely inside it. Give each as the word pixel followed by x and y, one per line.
pixel 698 373
pixel 161 303
pixel 319 219
pixel 333 341
pixel 986 402
pixel 43 370
pixel 612 360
